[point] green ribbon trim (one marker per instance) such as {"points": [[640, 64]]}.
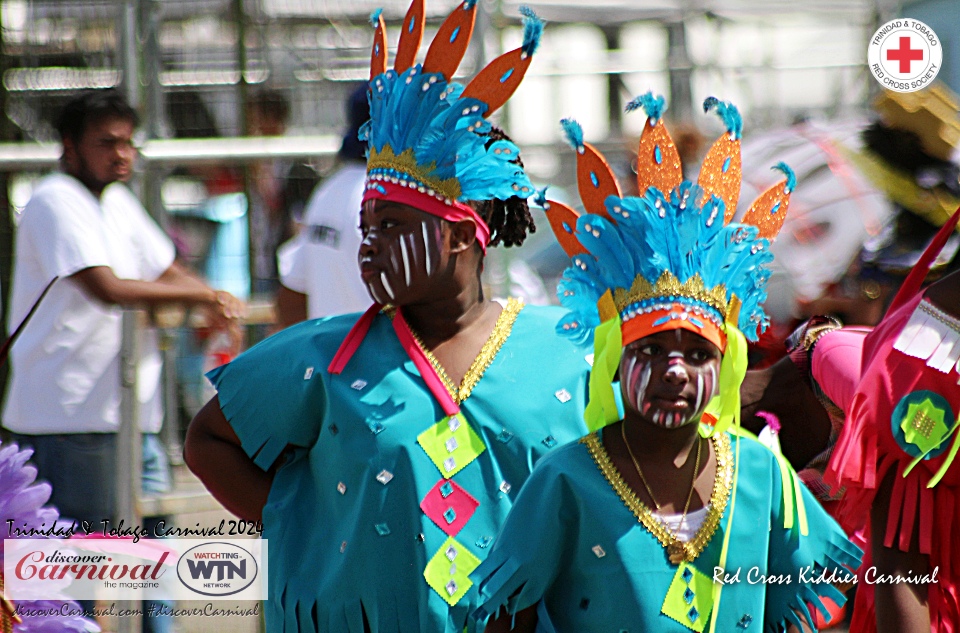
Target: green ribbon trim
{"points": [[725, 406], [602, 410]]}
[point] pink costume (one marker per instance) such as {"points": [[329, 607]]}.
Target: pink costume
{"points": [[902, 416], [836, 364]]}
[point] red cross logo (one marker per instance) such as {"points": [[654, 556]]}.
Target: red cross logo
{"points": [[905, 55]]}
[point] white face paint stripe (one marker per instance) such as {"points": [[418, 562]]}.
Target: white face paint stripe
{"points": [[628, 375], [699, 392], [412, 248], [373, 293], [644, 381], [426, 249], [420, 252], [386, 286], [405, 257], [627, 379]]}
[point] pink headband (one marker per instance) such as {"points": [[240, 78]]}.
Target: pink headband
{"points": [[436, 205]]}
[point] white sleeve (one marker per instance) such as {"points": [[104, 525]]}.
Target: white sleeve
{"points": [[292, 262], [64, 232]]}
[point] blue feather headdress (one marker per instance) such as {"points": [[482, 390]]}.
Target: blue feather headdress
{"points": [[669, 257], [428, 136]]}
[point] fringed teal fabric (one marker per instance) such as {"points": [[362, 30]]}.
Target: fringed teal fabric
{"points": [[280, 410], [572, 547], [813, 560]]}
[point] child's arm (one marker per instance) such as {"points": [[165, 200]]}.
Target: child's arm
{"points": [[213, 453]]}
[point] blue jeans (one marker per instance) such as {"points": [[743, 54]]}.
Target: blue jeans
{"points": [[81, 469]]}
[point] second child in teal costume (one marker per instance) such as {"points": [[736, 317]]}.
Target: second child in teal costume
{"points": [[665, 518], [384, 452]]}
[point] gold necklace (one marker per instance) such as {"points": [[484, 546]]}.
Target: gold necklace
{"points": [[674, 550], [722, 483]]}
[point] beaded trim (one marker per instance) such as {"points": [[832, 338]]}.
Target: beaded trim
{"points": [[403, 170], [722, 485], [712, 302], [940, 315], [501, 331]]}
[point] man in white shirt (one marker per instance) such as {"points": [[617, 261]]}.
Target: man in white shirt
{"points": [[319, 273], [64, 394]]}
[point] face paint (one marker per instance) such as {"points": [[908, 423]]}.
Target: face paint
{"points": [[634, 381], [391, 253], [426, 251], [404, 255], [669, 377]]}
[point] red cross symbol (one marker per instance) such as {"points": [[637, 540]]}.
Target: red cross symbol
{"points": [[905, 55]]}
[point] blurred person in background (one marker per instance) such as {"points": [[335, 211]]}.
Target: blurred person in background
{"points": [[85, 229], [318, 268], [271, 215]]}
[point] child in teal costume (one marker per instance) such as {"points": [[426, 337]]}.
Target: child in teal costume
{"points": [[383, 452], [666, 517]]}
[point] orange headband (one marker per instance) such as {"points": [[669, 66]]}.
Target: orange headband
{"points": [[649, 323]]}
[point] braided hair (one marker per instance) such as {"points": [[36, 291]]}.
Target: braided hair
{"points": [[509, 220]]}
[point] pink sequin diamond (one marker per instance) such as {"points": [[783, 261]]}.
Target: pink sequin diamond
{"points": [[450, 512]]}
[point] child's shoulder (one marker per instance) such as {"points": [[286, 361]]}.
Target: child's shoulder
{"points": [[567, 458], [753, 453]]}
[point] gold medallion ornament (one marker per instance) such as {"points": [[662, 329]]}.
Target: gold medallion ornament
{"points": [[677, 551]]}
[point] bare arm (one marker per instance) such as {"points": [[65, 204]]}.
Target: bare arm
{"points": [[782, 390], [175, 285], [224, 314], [213, 452], [179, 275], [291, 307], [524, 622]]}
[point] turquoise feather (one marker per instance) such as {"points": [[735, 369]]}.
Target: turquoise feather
{"points": [[532, 30], [447, 134], [603, 240], [641, 242], [573, 132], [791, 176], [728, 113], [653, 106]]}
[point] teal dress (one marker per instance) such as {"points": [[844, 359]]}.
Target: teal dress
{"points": [[573, 547], [383, 506]]}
